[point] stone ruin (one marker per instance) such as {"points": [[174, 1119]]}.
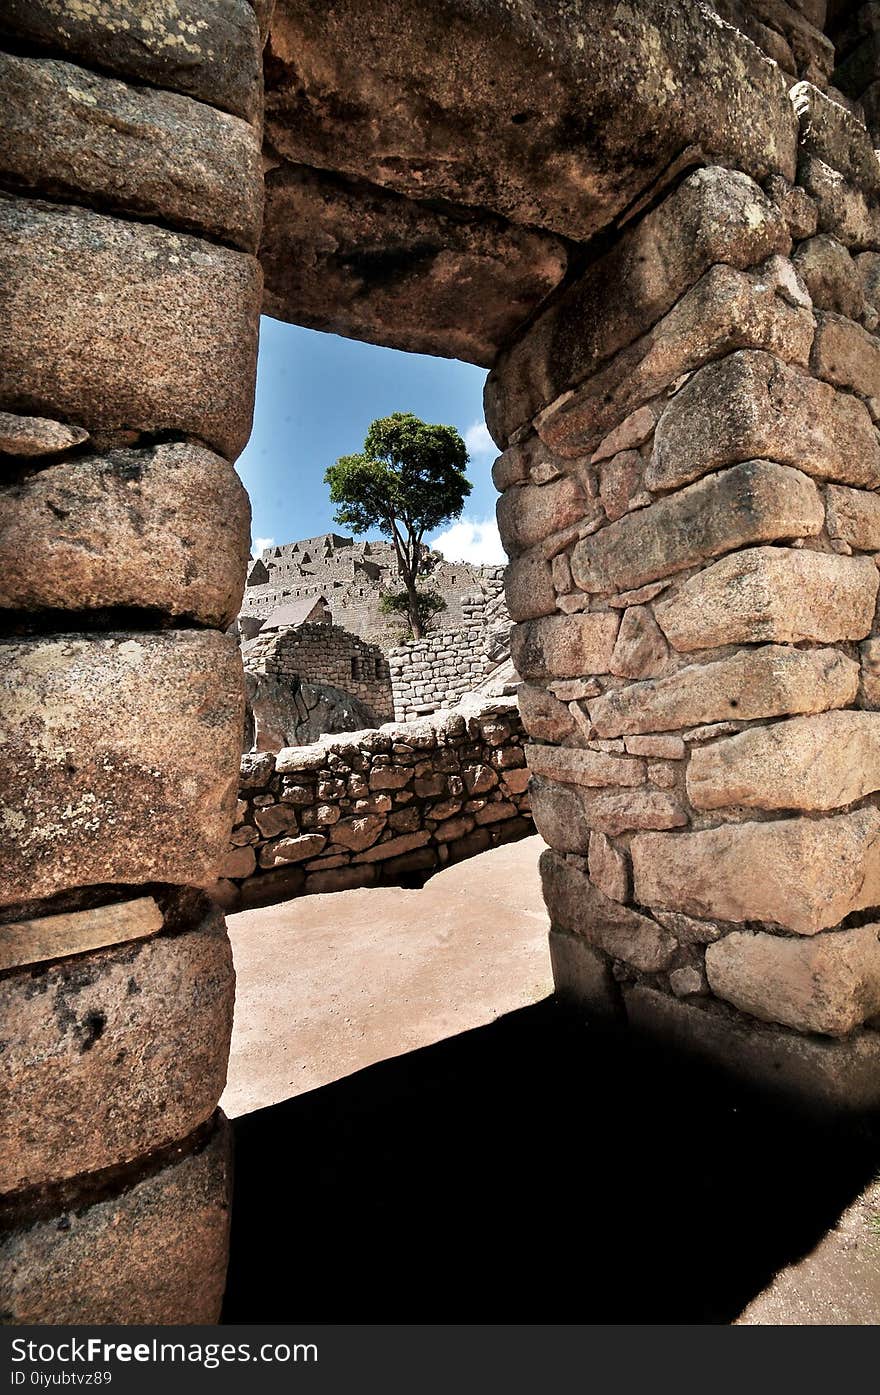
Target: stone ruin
{"points": [[352, 574], [659, 225]]}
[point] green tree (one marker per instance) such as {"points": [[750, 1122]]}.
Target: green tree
{"points": [[409, 480]]}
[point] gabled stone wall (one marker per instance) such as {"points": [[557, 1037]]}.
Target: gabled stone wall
{"points": [[318, 653], [377, 806]]}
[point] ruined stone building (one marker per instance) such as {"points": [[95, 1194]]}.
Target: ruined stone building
{"points": [[353, 574], [658, 224]]}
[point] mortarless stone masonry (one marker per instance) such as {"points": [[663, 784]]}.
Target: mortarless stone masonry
{"points": [[685, 627], [377, 806]]}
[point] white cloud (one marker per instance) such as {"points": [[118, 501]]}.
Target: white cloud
{"points": [[471, 540], [478, 440], [260, 544]]}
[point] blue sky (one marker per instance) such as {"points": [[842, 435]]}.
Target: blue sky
{"points": [[316, 397]]}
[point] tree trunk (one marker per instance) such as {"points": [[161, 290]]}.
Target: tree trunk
{"points": [[415, 620]]}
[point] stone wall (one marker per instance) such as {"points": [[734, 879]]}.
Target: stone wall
{"points": [[377, 807], [690, 502], [440, 669], [318, 653], [129, 224]]}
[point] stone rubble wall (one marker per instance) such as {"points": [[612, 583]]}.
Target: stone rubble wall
{"points": [[377, 806], [129, 221], [690, 501], [317, 653], [440, 669]]}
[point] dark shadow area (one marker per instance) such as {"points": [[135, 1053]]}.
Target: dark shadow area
{"points": [[531, 1170]]}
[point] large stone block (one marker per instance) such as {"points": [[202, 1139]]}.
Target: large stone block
{"points": [[829, 983], [543, 715], [559, 815], [547, 116], [119, 759], [120, 325], [359, 260], [578, 907], [143, 1245], [161, 529], [528, 587], [772, 593], [816, 763], [530, 513], [854, 516], [726, 310], [209, 49], [846, 355], [32, 437], [817, 1074], [714, 215], [757, 501], [772, 681], [114, 1053], [590, 768], [845, 211], [564, 646], [831, 276], [81, 136], [802, 874], [752, 405], [831, 132]]}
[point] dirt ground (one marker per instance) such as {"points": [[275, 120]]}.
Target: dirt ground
{"points": [[411, 1104], [329, 984]]}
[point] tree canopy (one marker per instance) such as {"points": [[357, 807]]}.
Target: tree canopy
{"points": [[408, 481]]}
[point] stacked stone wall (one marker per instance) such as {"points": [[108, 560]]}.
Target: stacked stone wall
{"points": [[317, 653], [129, 224], [690, 500], [377, 807]]}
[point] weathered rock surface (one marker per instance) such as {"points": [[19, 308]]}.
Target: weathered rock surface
{"points": [[528, 587], [577, 906], [831, 276], [94, 1071], [832, 133], [352, 258], [80, 136], [854, 516], [845, 211], [715, 215], [641, 650], [544, 716], [564, 646], [539, 115], [726, 310], [577, 767], [609, 869], [162, 1234], [559, 815], [133, 735], [829, 983], [757, 501], [171, 323], [615, 812], [822, 870], [823, 1075], [582, 977], [209, 49], [36, 436], [772, 681], [165, 529], [530, 513], [751, 405], [772, 593], [846, 355], [813, 763], [76, 932]]}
